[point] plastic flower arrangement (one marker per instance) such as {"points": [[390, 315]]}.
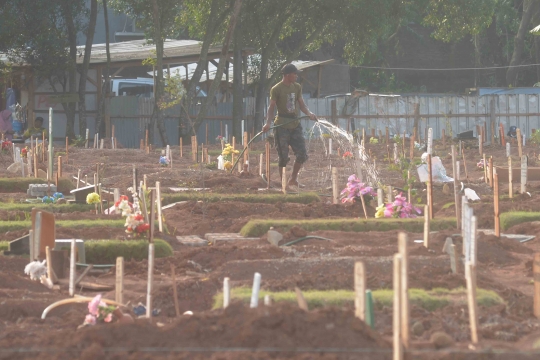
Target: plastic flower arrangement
{"points": [[6, 145], [163, 161], [480, 164], [347, 155], [400, 208], [93, 198], [373, 140], [228, 151], [98, 311], [219, 138], [132, 211], [52, 199], [228, 165], [24, 152], [355, 188]]}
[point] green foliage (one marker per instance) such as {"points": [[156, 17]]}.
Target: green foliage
{"points": [[302, 198], [61, 209], [535, 138], [509, 219], [259, 227], [428, 300], [106, 251], [4, 245], [78, 141], [6, 226]]}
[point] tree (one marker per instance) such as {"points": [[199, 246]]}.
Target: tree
{"points": [[158, 19]]}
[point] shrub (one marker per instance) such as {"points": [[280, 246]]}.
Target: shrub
{"points": [[106, 251]]}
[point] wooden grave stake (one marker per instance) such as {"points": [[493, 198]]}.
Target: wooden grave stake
{"points": [[260, 164], [43, 147], [536, 277], [72, 269], [202, 153], [496, 204], [335, 190], [465, 165], [102, 143], [158, 201], [510, 186], [485, 168], [430, 187], [473, 240], [59, 167], [254, 302], [146, 139], [267, 148], [113, 139], [359, 290], [458, 170], [523, 174], [404, 288], [508, 151], [37, 236], [396, 318], [246, 149], [302, 303], [175, 292], [36, 155], [426, 226], [226, 292], [470, 277], [501, 129], [520, 142], [363, 205], [150, 285], [152, 215], [119, 290]]}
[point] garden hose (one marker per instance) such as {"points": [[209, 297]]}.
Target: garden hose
{"points": [[305, 238], [259, 134]]}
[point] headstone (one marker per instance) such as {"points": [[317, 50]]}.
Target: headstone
{"points": [[20, 246], [48, 230], [453, 260], [15, 168], [447, 243], [40, 190], [81, 193], [41, 174], [274, 237]]}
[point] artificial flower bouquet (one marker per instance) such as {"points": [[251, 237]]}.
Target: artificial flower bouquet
{"points": [[355, 189], [399, 208], [135, 222]]}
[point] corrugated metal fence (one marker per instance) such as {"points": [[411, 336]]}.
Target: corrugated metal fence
{"points": [[453, 113]]}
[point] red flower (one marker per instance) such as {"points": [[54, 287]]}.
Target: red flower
{"points": [[142, 228], [139, 217]]}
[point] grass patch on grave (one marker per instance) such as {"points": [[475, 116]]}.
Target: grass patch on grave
{"points": [[512, 218], [259, 227], [62, 208], [26, 224], [303, 198], [106, 251], [427, 299], [4, 246], [11, 185]]}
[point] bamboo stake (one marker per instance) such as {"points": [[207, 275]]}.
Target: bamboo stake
{"points": [[36, 154], [59, 170], [284, 180], [470, 277], [302, 303], [119, 291], [520, 143], [150, 285], [396, 322], [430, 187], [404, 288], [426, 226], [485, 168], [175, 292], [152, 215], [496, 204], [510, 186], [363, 205], [360, 290], [491, 171]]}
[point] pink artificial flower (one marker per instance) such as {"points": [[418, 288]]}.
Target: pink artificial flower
{"points": [[389, 211], [93, 305], [108, 318], [90, 319]]}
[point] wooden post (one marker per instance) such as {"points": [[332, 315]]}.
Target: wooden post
{"points": [[205, 154], [359, 290], [404, 288], [146, 139], [175, 292], [267, 149], [470, 277], [520, 142], [396, 322], [523, 174], [119, 291], [72, 270], [226, 292], [335, 190], [36, 154], [284, 180], [536, 278], [59, 170], [485, 168], [158, 201], [430, 141], [456, 193], [510, 186], [430, 187], [426, 226], [113, 139], [465, 165], [496, 204], [233, 144], [503, 140], [302, 303], [150, 285]]}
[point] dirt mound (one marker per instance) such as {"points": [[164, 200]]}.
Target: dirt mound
{"points": [[282, 326], [497, 251]]}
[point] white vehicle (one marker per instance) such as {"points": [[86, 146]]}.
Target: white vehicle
{"points": [[142, 87]]}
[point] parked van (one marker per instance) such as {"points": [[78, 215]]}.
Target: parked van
{"points": [[141, 87]]}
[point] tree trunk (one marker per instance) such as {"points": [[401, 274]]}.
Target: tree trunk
{"points": [[158, 114], [84, 67], [103, 107], [219, 72], [238, 95], [70, 108], [529, 9]]}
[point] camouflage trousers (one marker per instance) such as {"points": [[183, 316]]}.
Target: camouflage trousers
{"points": [[293, 138]]}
